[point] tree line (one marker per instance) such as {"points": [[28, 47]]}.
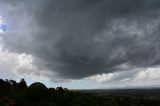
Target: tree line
{"points": [[14, 93]]}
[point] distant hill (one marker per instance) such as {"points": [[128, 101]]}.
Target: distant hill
{"points": [[136, 91]]}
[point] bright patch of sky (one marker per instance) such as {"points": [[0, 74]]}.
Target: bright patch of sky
{"points": [[3, 25]]}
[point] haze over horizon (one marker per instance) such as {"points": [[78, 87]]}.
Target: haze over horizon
{"points": [[81, 44]]}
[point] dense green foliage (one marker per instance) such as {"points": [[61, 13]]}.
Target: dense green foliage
{"points": [[13, 93]]}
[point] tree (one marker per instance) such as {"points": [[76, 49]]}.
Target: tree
{"points": [[37, 91], [22, 84], [37, 85], [13, 83], [4, 88], [60, 89]]}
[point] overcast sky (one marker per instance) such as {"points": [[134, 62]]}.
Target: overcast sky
{"points": [[81, 43]]}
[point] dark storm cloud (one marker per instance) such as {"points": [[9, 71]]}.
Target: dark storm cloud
{"points": [[80, 38]]}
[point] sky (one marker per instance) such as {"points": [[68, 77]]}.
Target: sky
{"points": [[81, 44]]}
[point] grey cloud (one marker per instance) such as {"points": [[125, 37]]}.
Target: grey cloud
{"points": [[80, 38]]}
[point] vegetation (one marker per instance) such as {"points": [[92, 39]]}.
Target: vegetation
{"points": [[14, 93]]}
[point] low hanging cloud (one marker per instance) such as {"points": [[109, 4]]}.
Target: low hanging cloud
{"points": [[75, 39], [136, 78], [15, 65]]}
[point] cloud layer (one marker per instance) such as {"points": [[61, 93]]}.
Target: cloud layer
{"points": [[79, 38]]}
